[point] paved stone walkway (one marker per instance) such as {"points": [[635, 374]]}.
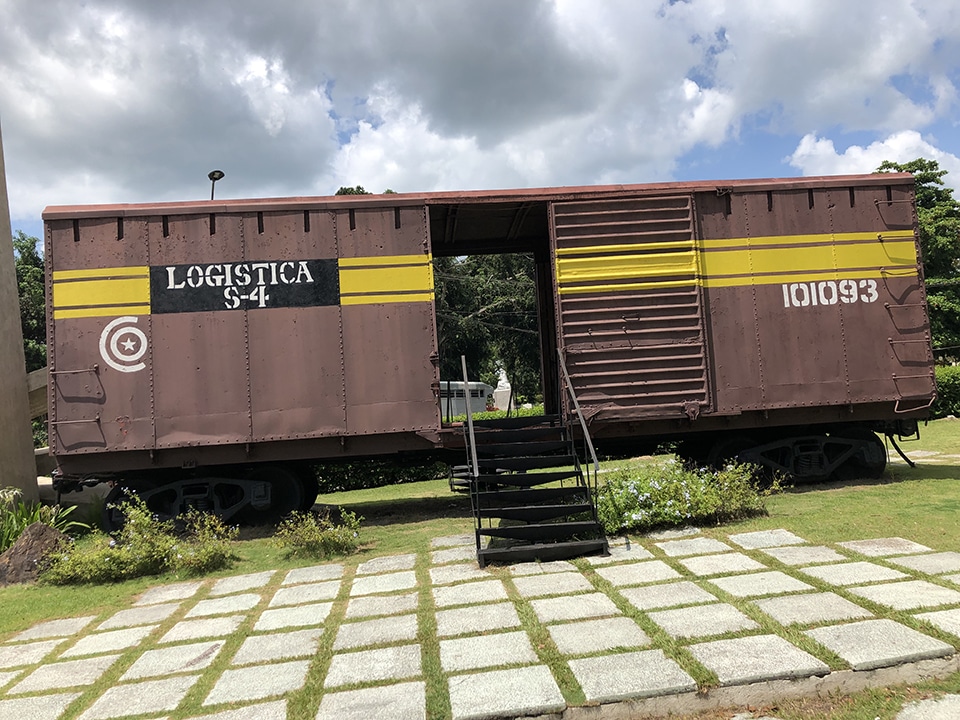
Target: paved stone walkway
{"points": [[375, 640]]}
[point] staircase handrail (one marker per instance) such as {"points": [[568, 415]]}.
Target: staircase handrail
{"points": [[472, 439], [583, 422]]}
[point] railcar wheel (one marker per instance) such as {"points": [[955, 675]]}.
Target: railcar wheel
{"points": [[286, 492], [728, 449], [869, 461], [161, 501]]}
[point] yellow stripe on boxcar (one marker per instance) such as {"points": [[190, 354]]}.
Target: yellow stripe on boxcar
{"points": [[101, 292], [386, 279]]}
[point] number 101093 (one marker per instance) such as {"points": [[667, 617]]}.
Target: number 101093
{"points": [[829, 292]]}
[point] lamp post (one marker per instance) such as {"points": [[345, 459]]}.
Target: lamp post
{"points": [[214, 175]]}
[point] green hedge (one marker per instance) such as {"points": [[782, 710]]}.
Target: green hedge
{"points": [[948, 392]]}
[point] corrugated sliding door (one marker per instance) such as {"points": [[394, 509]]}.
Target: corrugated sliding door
{"points": [[630, 309]]}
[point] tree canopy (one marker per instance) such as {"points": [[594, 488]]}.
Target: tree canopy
{"points": [[30, 285], [938, 217]]}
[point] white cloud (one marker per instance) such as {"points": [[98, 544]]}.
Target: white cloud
{"points": [[818, 156]]}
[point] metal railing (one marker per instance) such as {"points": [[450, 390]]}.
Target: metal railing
{"points": [[588, 442]]}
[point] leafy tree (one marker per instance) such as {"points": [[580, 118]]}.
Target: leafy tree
{"points": [[938, 217], [358, 190], [487, 311], [30, 285]]}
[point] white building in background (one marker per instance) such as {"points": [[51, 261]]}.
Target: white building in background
{"points": [[453, 400]]}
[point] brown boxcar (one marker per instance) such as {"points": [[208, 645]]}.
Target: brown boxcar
{"points": [[204, 347]]}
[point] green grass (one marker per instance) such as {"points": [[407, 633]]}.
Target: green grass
{"points": [[920, 504]]}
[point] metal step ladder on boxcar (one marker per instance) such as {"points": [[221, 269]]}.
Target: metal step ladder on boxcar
{"points": [[530, 495]]}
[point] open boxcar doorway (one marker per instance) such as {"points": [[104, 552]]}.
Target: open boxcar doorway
{"points": [[494, 296]]}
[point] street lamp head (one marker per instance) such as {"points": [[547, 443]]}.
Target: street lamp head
{"points": [[215, 175]]}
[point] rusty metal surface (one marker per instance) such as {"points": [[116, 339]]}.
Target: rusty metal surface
{"points": [[630, 315], [227, 330]]}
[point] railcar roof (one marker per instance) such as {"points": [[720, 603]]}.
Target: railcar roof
{"points": [[462, 197]]}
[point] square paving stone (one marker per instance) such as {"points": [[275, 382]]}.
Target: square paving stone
{"points": [[274, 710], [153, 696], [908, 595], [390, 563], [621, 553], [573, 607], [505, 693], [483, 651], [453, 540], [313, 574], [278, 646], [704, 565], [537, 568], [692, 546], [239, 583], [932, 564], [630, 675], [203, 628], [26, 654], [638, 573], [454, 554], [402, 701], [811, 609], [702, 620], [552, 584], [379, 631], [54, 629], [952, 578], [7, 677], [667, 595], [169, 593], [766, 539], [852, 573], [376, 605], [946, 620], [109, 641], [755, 659], [882, 547], [478, 618], [392, 663], [581, 638], [873, 644], [57, 676], [224, 605], [45, 707], [469, 593], [804, 554], [148, 615], [299, 616], [765, 583], [258, 682], [449, 574], [946, 707], [387, 583], [302, 594], [174, 659]]}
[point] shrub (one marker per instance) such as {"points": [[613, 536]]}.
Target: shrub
{"points": [[362, 474], [667, 494], [16, 515], [313, 535], [948, 392], [144, 545]]}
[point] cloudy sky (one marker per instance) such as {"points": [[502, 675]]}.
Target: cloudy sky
{"points": [[137, 100]]}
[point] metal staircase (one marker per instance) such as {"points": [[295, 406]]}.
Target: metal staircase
{"points": [[531, 497]]}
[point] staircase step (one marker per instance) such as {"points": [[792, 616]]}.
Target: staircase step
{"points": [[527, 463], [533, 513], [542, 551], [528, 496], [526, 479], [520, 434], [518, 422], [519, 449], [543, 531]]}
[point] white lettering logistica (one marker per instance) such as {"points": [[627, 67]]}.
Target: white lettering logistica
{"points": [[238, 274]]}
